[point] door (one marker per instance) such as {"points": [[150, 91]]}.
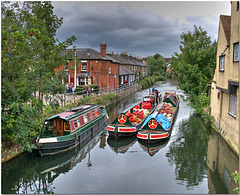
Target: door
{"points": [[58, 127]]}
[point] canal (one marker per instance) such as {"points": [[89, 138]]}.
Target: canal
{"points": [[193, 160]]}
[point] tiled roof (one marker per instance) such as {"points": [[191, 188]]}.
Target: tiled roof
{"points": [[118, 59], [125, 71], [226, 23], [84, 54]]}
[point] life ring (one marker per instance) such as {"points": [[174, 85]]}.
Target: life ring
{"points": [[152, 124], [122, 118]]}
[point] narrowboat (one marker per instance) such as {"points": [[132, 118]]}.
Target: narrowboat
{"points": [[65, 130], [122, 145], [158, 125], [130, 120]]}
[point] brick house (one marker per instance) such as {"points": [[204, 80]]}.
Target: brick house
{"points": [[92, 67], [225, 84]]}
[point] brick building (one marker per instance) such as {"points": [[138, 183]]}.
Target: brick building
{"points": [[101, 68]]}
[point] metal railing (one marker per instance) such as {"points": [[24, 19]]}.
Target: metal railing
{"points": [[63, 99]]}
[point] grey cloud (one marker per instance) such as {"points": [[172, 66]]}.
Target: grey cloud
{"points": [[123, 28]]}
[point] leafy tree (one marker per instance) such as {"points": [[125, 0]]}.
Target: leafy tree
{"points": [[29, 54], [194, 66], [156, 65]]}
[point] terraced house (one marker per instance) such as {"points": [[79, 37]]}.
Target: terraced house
{"points": [[88, 66], [225, 84]]}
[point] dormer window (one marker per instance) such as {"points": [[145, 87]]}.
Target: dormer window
{"points": [[221, 63]]}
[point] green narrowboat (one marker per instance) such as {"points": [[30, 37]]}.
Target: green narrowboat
{"points": [[65, 130], [158, 125]]}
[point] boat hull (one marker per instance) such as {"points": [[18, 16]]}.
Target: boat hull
{"points": [[50, 146], [118, 132]]}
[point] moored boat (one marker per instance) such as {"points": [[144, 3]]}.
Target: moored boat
{"points": [[130, 120], [67, 129], [158, 125]]}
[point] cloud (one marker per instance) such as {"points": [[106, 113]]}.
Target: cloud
{"points": [[127, 26]]}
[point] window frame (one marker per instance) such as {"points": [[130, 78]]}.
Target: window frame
{"points": [[234, 49], [223, 66], [83, 70], [232, 109]]}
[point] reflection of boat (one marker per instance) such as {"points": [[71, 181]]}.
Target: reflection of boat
{"points": [[129, 121], [121, 146], [152, 149], [35, 175], [72, 157], [65, 130], [159, 124]]}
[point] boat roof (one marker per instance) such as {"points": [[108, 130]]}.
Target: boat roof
{"points": [[73, 112]]}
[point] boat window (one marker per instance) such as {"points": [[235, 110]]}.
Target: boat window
{"points": [[66, 126], [96, 111], [50, 126], [89, 116], [93, 114], [76, 123], [54, 123], [85, 118]]}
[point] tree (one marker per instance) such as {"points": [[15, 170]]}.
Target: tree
{"points": [[194, 66], [156, 64], [30, 53]]}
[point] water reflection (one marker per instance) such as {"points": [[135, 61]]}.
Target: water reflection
{"points": [[41, 172], [188, 152], [221, 161], [122, 145], [152, 149]]}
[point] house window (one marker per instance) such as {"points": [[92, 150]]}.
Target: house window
{"points": [[236, 52], [84, 66], [221, 63], [233, 105], [109, 70]]}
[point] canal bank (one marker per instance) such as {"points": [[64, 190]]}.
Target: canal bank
{"points": [[9, 153]]}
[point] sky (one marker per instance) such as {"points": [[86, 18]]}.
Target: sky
{"points": [[140, 28]]}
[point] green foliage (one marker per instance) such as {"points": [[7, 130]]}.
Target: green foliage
{"points": [[236, 180], [194, 67], [156, 65], [29, 55]]}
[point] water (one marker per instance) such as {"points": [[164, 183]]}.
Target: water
{"points": [[193, 160]]}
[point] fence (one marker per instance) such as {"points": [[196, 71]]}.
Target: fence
{"points": [[63, 99]]}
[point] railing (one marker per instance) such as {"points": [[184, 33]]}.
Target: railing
{"points": [[63, 99]]}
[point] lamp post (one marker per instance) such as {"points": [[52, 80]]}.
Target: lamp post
{"points": [[88, 53], [75, 71]]}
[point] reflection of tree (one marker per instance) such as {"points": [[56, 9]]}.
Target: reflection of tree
{"points": [[189, 152]]}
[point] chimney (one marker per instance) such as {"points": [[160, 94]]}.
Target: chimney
{"points": [[103, 49], [124, 55], [130, 57]]}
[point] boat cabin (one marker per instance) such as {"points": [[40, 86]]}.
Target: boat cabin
{"points": [[70, 120]]}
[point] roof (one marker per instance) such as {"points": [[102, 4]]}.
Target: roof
{"points": [[125, 71], [226, 23], [84, 54]]}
